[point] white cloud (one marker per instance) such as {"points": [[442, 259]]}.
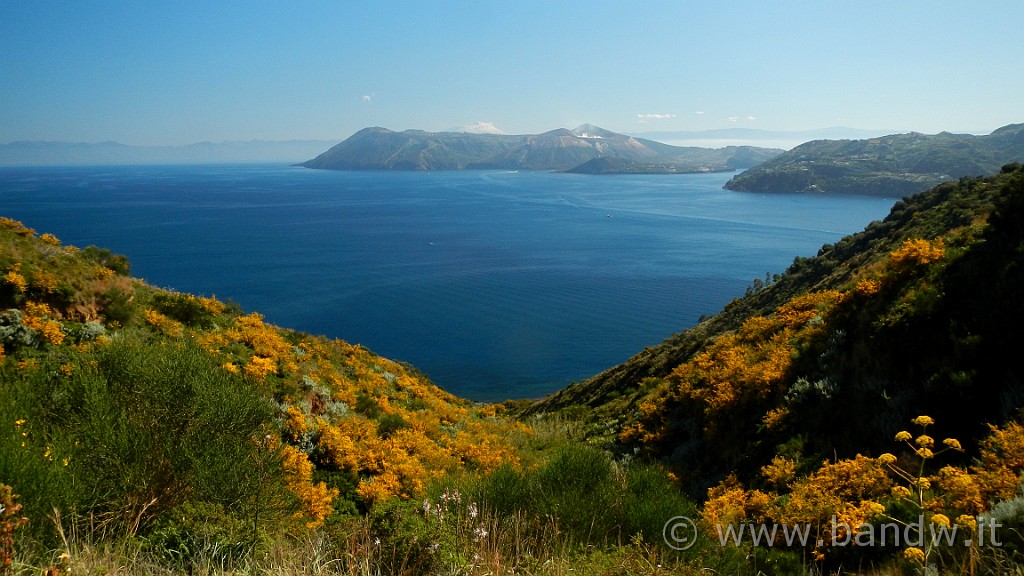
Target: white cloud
{"points": [[751, 118], [699, 113], [643, 117], [478, 128], [368, 97]]}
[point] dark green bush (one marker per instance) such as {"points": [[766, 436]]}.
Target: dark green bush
{"points": [[104, 257], [118, 306], [184, 308], [403, 539], [202, 535], [594, 500], [389, 424], [144, 428]]}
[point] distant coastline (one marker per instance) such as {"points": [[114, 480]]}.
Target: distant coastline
{"points": [[47, 153]]}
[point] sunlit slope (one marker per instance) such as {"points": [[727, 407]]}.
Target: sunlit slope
{"points": [[122, 401], [892, 165]]}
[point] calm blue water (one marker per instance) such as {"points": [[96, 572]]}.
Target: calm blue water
{"points": [[496, 284]]}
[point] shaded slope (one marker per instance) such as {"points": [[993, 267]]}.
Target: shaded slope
{"points": [[919, 313]]}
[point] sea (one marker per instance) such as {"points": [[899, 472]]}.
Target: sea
{"points": [[496, 284]]}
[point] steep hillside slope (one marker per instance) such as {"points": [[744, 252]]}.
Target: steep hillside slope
{"points": [[894, 165], [129, 405], [919, 313]]}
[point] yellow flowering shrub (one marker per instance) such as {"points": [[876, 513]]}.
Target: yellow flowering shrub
{"points": [[38, 317], [165, 325], [14, 277], [211, 305], [314, 498], [729, 503], [295, 424], [849, 489], [264, 340], [1001, 462], [338, 448], [19, 228], [259, 367], [780, 472], [45, 282], [867, 287], [916, 252], [738, 373]]}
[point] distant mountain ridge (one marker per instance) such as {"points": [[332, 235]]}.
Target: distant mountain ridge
{"points": [[894, 165], [562, 149], [37, 153]]}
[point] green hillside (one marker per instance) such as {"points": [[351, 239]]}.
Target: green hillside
{"points": [[894, 165], [875, 384], [919, 314]]}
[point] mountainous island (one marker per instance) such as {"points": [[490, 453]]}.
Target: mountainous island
{"points": [[894, 165], [875, 383], [587, 149]]}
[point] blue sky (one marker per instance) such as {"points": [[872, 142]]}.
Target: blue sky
{"points": [[148, 73]]}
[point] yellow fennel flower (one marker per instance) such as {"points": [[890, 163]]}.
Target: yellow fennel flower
{"points": [[887, 459], [967, 521], [903, 436], [914, 555], [953, 443], [901, 491], [923, 421], [940, 520]]}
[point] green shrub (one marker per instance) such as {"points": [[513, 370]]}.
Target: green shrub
{"points": [[505, 492], [594, 500], [580, 488], [404, 541], [139, 429], [184, 308], [202, 535], [389, 424], [104, 257], [118, 306]]}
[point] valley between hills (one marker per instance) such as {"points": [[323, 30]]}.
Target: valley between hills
{"points": [[876, 382]]}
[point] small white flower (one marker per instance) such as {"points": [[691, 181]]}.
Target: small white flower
{"points": [[472, 510], [376, 541]]}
